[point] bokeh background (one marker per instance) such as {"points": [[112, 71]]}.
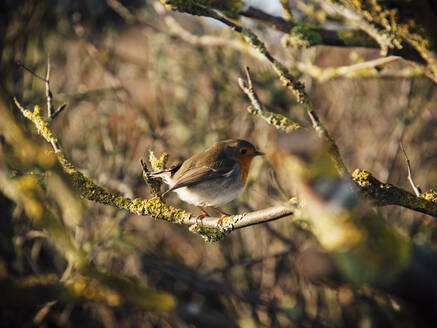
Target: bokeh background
{"points": [[138, 78]]}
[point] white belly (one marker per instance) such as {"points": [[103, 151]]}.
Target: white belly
{"points": [[213, 192]]}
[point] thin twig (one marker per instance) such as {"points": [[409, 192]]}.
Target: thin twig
{"points": [[49, 95], [31, 72], [415, 187], [58, 111]]}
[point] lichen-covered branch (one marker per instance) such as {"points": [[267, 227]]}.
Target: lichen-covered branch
{"points": [[387, 194], [155, 206]]}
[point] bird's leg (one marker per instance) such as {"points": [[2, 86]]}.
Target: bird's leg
{"points": [[223, 214], [201, 216]]}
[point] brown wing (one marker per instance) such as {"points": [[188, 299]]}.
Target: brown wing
{"points": [[193, 175]]}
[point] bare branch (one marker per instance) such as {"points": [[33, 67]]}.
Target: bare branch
{"points": [[49, 95], [31, 72], [58, 111], [416, 188]]}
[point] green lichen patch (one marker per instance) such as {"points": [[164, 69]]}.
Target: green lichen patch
{"points": [[204, 7], [209, 234], [388, 194], [355, 38], [158, 163], [302, 36], [361, 177], [156, 208], [279, 121], [41, 125]]}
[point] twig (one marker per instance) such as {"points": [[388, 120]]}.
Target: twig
{"points": [[51, 112], [49, 95], [31, 72], [367, 64], [120, 9], [58, 111], [416, 188]]}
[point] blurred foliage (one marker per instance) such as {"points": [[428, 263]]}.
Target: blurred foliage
{"points": [[132, 86]]}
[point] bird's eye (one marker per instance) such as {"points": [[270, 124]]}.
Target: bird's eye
{"points": [[243, 151]]}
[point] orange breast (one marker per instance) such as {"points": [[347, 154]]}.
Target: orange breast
{"points": [[244, 166]]}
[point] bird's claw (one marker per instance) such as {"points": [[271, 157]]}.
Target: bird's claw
{"points": [[200, 218]]}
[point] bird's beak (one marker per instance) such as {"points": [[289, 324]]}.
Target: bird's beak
{"points": [[258, 153]]}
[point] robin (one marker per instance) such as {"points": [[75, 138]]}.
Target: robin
{"points": [[213, 177]]}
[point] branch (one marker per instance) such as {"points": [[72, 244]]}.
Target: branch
{"points": [[387, 194], [338, 38]]}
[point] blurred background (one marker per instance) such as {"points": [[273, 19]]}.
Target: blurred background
{"points": [[136, 78]]}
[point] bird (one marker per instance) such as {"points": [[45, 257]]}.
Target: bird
{"points": [[212, 177]]}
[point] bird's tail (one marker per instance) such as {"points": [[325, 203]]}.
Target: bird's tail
{"points": [[170, 170]]}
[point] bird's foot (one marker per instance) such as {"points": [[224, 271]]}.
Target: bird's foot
{"points": [[199, 219], [219, 222], [223, 214], [201, 216]]}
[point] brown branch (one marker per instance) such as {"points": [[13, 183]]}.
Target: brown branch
{"points": [[356, 38]]}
